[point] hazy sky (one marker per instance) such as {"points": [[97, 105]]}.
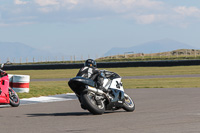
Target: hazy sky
{"points": [[92, 27]]}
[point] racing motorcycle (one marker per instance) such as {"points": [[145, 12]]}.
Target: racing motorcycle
{"points": [[97, 101], [7, 94]]}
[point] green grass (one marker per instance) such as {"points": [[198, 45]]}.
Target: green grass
{"points": [[162, 83], [59, 87], [147, 71], [47, 74], [128, 71], [46, 88]]}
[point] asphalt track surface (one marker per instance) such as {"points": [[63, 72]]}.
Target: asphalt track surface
{"points": [[158, 110]]}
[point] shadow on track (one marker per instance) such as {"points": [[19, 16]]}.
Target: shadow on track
{"points": [[69, 114], [60, 114]]}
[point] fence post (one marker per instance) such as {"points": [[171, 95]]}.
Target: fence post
{"points": [[195, 54], [33, 60], [74, 58], [81, 57], [71, 59], [186, 53], [26, 60], [7, 59], [63, 58], [177, 54]]}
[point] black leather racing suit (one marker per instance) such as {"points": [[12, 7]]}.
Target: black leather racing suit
{"points": [[92, 73]]}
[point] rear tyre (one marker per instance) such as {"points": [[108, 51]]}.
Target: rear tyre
{"points": [[14, 99], [129, 104], [95, 107]]}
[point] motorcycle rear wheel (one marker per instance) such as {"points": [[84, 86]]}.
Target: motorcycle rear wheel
{"points": [[14, 99], [89, 101], [129, 104]]}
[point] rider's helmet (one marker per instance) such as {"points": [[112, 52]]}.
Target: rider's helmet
{"points": [[90, 63]]}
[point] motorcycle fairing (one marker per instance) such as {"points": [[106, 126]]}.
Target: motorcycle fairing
{"points": [[111, 75], [117, 99], [117, 92], [77, 84], [4, 97], [116, 83]]}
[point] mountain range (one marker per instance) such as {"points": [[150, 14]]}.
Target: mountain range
{"points": [[14, 51], [163, 45], [19, 52]]}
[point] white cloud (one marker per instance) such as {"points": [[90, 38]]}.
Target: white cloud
{"points": [[117, 6], [45, 9], [70, 4], [188, 11], [20, 2], [139, 11], [127, 5], [56, 2], [75, 2], [46, 2], [146, 19], [47, 6]]}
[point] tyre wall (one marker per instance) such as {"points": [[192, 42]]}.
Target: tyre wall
{"points": [[19, 83], [106, 65]]}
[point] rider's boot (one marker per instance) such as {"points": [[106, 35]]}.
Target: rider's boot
{"points": [[0, 91]]}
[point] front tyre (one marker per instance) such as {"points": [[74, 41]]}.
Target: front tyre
{"points": [[129, 104], [14, 99], [89, 100]]}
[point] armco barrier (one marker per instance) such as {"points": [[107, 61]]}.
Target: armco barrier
{"points": [[106, 65], [19, 83]]}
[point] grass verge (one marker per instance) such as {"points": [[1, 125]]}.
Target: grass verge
{"points": [[162, 83], [127, 71], [46, 88]]}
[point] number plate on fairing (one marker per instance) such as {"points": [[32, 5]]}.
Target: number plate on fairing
{"points": [[117, 84]]}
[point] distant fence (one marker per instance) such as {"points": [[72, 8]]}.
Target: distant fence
{"points": [[105, 65], [129, 55]]}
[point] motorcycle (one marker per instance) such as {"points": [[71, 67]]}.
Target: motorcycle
{"points": [[97, 101], [7, 94]]}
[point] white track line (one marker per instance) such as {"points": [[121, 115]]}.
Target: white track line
{"points": [[46, 99]]}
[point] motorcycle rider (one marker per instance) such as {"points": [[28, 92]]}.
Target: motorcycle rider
{"points": [[90, 71], [2, 73]]}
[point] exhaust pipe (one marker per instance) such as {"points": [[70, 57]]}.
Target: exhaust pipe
{"points": [[100, 92], [95, 90]]}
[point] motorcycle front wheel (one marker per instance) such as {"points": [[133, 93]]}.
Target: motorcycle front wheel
{"points": [[14, 99], [95, 107], [129, 104]]}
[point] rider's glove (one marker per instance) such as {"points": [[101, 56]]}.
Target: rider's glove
{"points": [[102, 74]]}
